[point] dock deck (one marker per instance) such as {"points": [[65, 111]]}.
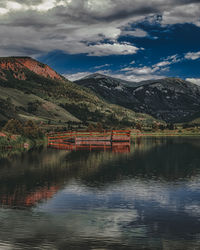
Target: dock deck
{"points": [[92, 140]]}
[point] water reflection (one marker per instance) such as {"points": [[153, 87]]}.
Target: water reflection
{"points": [[116, 147], [148, 198]]}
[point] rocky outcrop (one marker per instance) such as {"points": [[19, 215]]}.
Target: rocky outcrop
{"points": [[16, 67]]}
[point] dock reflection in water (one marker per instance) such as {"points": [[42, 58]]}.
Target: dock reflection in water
{"points": [[148, 198], [117, 147], [116, 140]]}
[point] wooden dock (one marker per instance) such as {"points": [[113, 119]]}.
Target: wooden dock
{"points": [[117, 140]]}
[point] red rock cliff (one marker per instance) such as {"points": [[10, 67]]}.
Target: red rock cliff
{"points": [[17, 65]]}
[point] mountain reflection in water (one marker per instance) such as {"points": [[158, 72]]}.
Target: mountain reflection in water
{"points": [[148, 198]]}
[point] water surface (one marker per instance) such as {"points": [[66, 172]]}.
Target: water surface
{"points": [[148, 198]]}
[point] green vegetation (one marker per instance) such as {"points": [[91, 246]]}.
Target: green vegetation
{"points": [[58, 102], [31, 105], [158, 129], [16, 134], [28, 129], [62, 105]]}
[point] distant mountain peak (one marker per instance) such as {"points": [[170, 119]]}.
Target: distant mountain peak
{"points": [[95, 76], [106, 78], [168, 99], [16, 67]]}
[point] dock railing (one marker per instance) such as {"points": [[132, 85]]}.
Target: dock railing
{"points": [[88, 137]]}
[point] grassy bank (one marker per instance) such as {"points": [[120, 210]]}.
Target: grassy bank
{"points": [[23, 142], [17, 134], [19, 141], [184, 132]]}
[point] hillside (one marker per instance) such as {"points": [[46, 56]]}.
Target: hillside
{"points": [[170, 99], [17, 67], [32, 90], [17, 104]]}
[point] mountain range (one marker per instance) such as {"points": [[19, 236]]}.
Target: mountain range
{"points": [[171, 99], [32, 90]]}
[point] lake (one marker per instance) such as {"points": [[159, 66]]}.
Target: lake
{"points": [[147, 197]]}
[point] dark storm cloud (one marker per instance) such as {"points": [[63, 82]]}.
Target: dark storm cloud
{"points": [[45, 25], [30, 19]]}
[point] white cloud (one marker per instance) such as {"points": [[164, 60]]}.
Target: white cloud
{"points": [[185, 13], [160, 66], [139, 71], [166, 62], [3, 11], [76, 76], [102, 66], [95, 32], [137, 74], [136, 33], [106, 49], [13, 6], [149, 72], [194, 80], [80, 75], [128, 77], [46, 5], [137, 78], [163, 63], [104, 72], [43, 5], [192, 55]]}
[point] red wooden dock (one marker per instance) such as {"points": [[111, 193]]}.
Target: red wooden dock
{"points": [[118, 140]]}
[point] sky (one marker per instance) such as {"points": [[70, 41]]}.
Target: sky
{"points": [[130, 39]]}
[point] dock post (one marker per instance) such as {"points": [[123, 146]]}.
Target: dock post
{"points": [[111, 139]]}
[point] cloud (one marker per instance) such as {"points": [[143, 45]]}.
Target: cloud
{"points": [[137, 74], [147, 72], [102, 66], [76, 76], [192, 55], [34, 27], [39, 5], [135, 33], [194, 80], [144, 73], [137, 78], [167, 62], [106, 49], [3, 11], [139, 71], [162, 64], [80, 75], [128, 77], [185, 13]]}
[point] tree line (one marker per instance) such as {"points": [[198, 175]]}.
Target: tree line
{"points": [[28, 128]]}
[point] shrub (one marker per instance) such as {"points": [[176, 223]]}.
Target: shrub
{"points": [[28, 129], [99, 127], [31, 130], [138, 126], [33, 106], [13, 126], [170, 126], [91, 127]]}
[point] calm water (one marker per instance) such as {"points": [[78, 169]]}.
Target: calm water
{"points": [[148, 198]]}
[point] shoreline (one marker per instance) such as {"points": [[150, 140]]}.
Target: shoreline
{"points": [[26, 144], [164, 135], [23, 143]]}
